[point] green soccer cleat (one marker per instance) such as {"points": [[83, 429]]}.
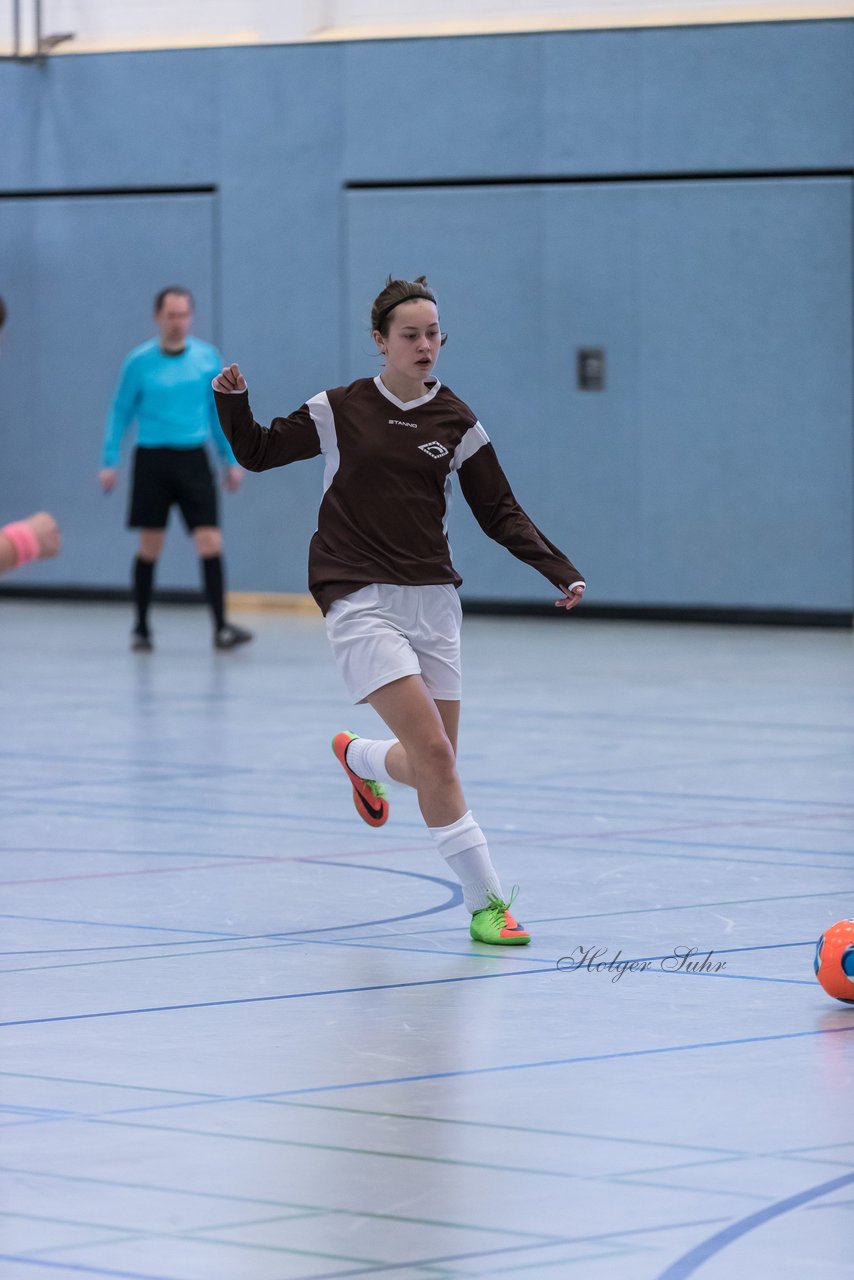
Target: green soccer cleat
{"points": [[495, 925]]}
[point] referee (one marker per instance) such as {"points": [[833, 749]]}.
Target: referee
{"points": [[165, 386]]}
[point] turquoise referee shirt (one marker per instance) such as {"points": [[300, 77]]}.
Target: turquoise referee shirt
{"points": [[170, 398]]}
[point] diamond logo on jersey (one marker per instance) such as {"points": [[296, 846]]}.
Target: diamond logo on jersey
{"points": [[433, 449]]}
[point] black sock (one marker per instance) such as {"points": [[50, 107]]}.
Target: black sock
{"points": [[143, 582], [214, 580]]}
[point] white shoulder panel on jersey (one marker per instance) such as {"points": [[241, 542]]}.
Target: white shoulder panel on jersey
{"points": [[475, 438], [324, 420]]}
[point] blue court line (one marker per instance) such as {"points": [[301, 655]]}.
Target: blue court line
{"points": [[273, 821], [279, 944], [15, 1109], [680, 797], [645, 718], [598, 842], [556, 1062], [244, 819], [252, 937], [293, 995], [716, 1153], [122, 775], [389, 986], [480, 1071], [689, 1262], [606, 849], [379, 945], [753, 848], [642, 911], [52, 851], [313, 1210], [82, 1268], [456, 897], [605, 1237]]}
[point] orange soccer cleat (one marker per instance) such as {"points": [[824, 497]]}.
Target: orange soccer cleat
{"points": [[368, 796]]}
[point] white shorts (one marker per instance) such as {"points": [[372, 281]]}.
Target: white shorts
{"points": [[383, 632]]}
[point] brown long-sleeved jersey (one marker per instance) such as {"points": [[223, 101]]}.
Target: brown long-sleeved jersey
{"points": [[387, 485]]}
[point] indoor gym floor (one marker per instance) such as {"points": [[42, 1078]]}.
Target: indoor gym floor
{"points": [[246, 1037]]}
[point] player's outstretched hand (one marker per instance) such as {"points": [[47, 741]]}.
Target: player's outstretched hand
{"points": [[570, 598], [232, 479], [108, 477], [46, 530], [231, 379], [35, 538]]}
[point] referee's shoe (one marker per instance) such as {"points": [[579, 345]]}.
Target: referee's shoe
{"points": [[230, 636]]}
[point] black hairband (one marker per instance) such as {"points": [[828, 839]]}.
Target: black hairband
{"points": [[415, 297]]}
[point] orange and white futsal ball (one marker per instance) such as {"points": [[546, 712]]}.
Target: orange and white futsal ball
{"points": [[834, 960]]}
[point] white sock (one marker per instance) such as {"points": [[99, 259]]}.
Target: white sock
{"points": [[463, 846], [366, 757]]}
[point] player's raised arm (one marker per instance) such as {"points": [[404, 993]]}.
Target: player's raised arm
{"points": [[256, 447]]}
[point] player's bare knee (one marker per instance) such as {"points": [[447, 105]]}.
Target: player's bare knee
{"points": [[208, 541], [150, 544], [435, 762]]}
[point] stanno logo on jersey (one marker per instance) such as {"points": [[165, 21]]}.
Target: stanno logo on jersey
{"points": [[434, 450], [396, 422]]}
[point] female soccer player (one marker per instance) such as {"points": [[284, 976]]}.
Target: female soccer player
{"points": [[381, 572]]}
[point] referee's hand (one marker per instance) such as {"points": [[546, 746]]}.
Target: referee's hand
{"points": [[231, 379]]}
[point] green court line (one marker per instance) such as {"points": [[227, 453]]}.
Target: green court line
{"points": [[66, 1222], [189, 1234], [690, 1164], [341, 1150], [615, 1251], [107, 1084], [822, 1146], [127, 1237], [397, 1115], [194, 1239], [628, 1180], [494, 1124], [197, 1237], [368, 1214], [258, 1222], [610, 1238], [837, 1164], [174, 955]]}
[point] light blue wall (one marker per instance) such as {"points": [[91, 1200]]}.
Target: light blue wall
{"points": [[717, 466]]}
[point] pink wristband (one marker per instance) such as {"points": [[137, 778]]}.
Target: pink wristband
{"points": [[24, 541]]}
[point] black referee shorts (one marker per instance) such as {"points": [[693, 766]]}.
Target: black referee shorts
{"points": [[162, 477]]}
